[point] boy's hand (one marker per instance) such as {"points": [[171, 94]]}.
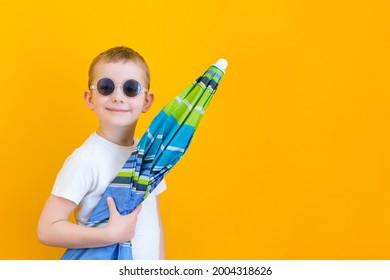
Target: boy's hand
{"points": [[121, 228]]}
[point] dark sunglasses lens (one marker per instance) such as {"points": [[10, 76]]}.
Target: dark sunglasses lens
{"points": [[105, 86], [131, 88]]}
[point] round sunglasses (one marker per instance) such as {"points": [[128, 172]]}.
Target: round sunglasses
{"points": [[106, 86]]}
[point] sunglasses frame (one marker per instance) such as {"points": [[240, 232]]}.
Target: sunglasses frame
{"points": [[141, 88]]}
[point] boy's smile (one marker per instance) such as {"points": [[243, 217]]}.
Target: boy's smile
{"points": [[117, 110]]}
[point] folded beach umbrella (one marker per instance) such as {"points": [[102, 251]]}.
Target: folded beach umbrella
{"points": [[159, 149]]}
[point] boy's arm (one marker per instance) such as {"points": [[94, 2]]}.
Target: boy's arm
{"points": [[55, 229], [162, 240]]}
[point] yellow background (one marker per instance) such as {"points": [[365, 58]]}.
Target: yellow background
{"points": [[291, 160]]}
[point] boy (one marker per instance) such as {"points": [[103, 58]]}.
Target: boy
{"points": [[118, 93]]}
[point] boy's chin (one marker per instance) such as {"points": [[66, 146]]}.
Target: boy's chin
{"points": [[123, 125]]}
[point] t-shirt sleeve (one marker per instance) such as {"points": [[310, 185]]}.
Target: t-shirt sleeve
{"points": [[162, 186], [75, 178]]}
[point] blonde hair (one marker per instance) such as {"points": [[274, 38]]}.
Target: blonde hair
{"points": [[118, 54]]}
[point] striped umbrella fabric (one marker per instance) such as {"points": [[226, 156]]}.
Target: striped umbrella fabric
{"points": [[159, 149]]}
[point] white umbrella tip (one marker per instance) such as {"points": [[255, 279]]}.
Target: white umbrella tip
{"points": [[221, 64]]}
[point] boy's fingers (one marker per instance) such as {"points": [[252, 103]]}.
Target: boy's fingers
{"points": [[111, 205], [113, 210]]}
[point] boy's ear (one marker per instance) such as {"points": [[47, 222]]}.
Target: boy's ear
{"points": [[149, 99], [88, 99]]}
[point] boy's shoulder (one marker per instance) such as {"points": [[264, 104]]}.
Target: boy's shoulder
{"points": [[85, 148], [83, 153], [96, 149], [98, 154]]}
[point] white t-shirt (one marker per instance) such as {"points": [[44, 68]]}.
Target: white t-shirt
{"points": [[86, 174]]}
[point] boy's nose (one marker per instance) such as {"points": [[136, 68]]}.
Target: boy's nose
{"points": [[118, 95]]}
